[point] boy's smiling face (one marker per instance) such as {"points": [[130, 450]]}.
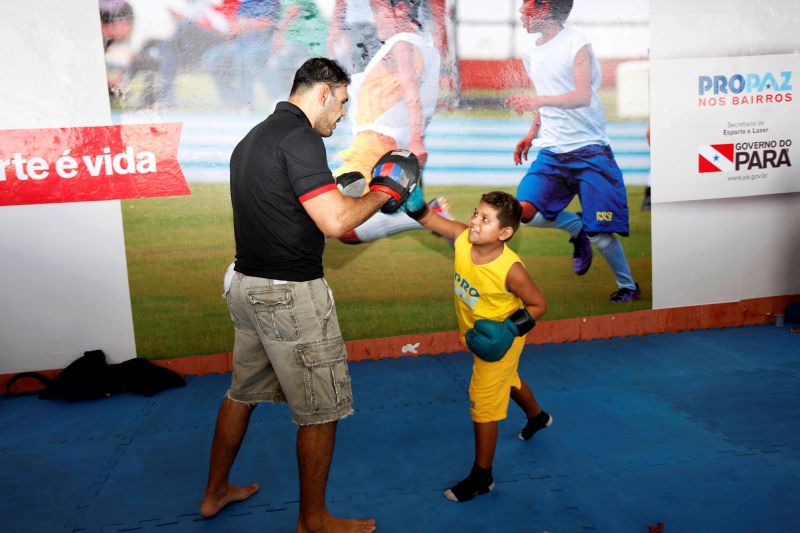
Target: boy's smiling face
{"points": [[484, 226], [532, 13]]}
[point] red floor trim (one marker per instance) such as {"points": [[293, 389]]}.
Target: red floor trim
{"points": [[733, 314]]}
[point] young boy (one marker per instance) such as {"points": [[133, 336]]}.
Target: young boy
{"points": [[574, 156], [497, 303]]}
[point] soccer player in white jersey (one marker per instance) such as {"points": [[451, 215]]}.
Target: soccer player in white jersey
{"points": [[573, 152]]}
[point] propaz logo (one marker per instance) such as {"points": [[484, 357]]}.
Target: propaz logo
{"points": [[745, 83], [719, 90]]}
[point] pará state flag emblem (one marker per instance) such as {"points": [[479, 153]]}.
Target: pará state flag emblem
{"points": [[715, 158]]}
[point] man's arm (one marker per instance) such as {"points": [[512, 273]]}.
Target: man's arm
{"points": [[336, 214], [402, 55], [519, 282]]}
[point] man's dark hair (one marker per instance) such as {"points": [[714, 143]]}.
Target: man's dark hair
{"points": [[559, 9], [509, 212], [318, 70]]}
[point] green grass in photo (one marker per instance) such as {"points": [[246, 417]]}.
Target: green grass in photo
{"points": [[178, 249]]}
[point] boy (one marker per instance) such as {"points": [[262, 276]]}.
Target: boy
{"points": [[574, 155], [497, 303]]}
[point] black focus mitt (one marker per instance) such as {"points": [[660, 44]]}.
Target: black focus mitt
{"points": [[396, 173], [352, 184]]}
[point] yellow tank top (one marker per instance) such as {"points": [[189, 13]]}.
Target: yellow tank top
{"points": [[480, 290]]}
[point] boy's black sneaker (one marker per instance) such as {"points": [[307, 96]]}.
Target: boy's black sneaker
{"points": [[540, 421], [478, 482]]}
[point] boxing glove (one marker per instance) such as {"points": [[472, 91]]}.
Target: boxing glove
{"points": [[415, 205], [491, 339]]}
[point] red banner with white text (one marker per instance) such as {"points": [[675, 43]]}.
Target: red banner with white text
{"points": [[58, 165]]}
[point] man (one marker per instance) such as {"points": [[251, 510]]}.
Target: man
{"points": [[393, 101], [288, 346]]}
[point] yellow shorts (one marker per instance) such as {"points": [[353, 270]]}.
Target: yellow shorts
{"points": [[490, 386], [365, 151]]}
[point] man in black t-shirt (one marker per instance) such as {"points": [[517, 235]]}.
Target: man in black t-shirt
{"points": [[288, 346]]}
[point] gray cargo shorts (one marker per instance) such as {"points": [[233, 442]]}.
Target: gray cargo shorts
{"points": [[288, 348]]}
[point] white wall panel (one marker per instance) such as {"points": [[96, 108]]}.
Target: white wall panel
{"points": [[63, 276], [727, 249]]}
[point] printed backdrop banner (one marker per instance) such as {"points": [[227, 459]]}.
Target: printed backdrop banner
{"points": [[738, 117], [57, 165]]}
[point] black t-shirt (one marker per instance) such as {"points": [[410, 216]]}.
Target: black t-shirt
{"points": [[278, 165]]}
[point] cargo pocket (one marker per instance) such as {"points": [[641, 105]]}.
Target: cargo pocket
{"points": [[326, 378], [274, 313]]}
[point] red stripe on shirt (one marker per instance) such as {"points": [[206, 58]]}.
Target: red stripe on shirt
{"points": [[316, 192]]}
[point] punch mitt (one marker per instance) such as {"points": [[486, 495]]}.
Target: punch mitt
{"points": [[352, 184], [397, 174]]}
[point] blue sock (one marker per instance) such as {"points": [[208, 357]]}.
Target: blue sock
{"points": [[566, 220], [611, 249]]}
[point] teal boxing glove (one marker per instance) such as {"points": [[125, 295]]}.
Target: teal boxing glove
{"points": [[490, 339], [415, 205]]}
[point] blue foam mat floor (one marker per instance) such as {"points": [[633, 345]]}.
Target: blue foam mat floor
{"points": [[699, 431]]}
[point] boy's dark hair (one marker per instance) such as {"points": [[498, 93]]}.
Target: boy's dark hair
{"points": [[509, 212], [559, 9], [318, 70]]}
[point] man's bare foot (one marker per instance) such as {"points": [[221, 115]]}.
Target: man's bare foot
{"points": [[213, 503], [331, 524]]}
